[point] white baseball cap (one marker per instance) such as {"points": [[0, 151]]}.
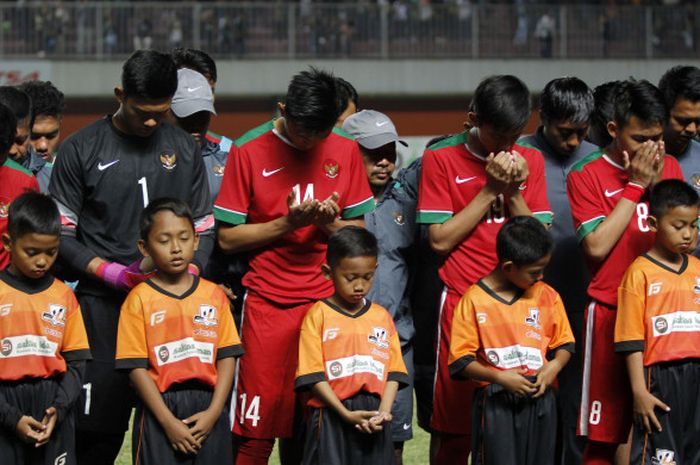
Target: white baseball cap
{"points": [[371, 129]]}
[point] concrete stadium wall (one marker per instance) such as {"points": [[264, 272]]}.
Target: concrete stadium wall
{"points": [[423, 97], [371, 77]]}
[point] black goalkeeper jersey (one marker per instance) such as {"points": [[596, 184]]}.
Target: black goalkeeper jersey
{"points": [[104, 178]]}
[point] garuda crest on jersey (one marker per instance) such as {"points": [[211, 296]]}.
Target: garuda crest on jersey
{"points": [[168, 160], [331, 168]]}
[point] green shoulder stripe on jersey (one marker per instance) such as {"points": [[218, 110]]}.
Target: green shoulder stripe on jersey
{"points": [[586, 160], [457, 139], [255, 133], [342, 133], [16, 166], [588, 227], [522, 143], [357, 210], [544, 217], [428, 217], [211, 135], [229, 216]]}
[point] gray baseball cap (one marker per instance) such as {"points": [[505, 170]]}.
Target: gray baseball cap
{"points": [[371, 129], [193, 94]]}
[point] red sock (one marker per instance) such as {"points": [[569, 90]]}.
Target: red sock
{"points": [[454, 449], [599, 453], [253, 451]]}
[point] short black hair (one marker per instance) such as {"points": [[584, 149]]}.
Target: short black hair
{"points": [[46, 99], [350, 242], [348, 93], [503, 102], [149, 74], [603, 112], [523, 240], [197, 60], [313, 101], [437, 139], [178, 207], [566, 99], [671, 193], [18, 101], [33, 213], [8, 129], [641, 99], [680, 82]]}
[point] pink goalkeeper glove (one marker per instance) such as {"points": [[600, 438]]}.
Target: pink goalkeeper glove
{"points": [[122, 277]]}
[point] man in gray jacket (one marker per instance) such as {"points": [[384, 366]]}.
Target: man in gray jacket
{"points": [[393, 222]]}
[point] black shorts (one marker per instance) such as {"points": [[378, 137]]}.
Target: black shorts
{"points": [[512, 430], [675, 384], [106, 399], [33, 398], [332, 441], [150, 445]]}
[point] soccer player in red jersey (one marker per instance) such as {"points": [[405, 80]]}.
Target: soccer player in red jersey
{"points": [[470, 184], [288, 184], [14, 179], [608, 191]]}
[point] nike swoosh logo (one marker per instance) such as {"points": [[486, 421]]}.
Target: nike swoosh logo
{"points": [[267, 174], [406, 426], [610, 194], [380, 124], [102, 167], [459, 180], [192, 89]]}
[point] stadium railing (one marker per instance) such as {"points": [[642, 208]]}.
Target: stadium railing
{"points": [[460, 29]]}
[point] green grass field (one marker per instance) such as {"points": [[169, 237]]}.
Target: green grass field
{"points": [[415, 451]]}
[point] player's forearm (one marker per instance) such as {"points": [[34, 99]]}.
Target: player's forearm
{"points": [[340, 224], [480, 372], [91, 268], [204, 251], [244, 237], [389, 396], [444, 237], [149, 395], [323, 392], [224, 378], [517, 205], [561, 358], [77, 256], [635, 369], [602, 240]]}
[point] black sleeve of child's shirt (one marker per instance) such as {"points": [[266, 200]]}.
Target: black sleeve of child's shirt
{"points": [[69, 388], [9, 415]]}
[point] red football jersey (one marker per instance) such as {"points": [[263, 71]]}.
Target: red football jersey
{"points": [[262, 170], [594, 186], [451, 176], [15, 180]]}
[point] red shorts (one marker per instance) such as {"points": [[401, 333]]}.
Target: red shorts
{"points": [[606, 397], [452, 399], [264, 401]]}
